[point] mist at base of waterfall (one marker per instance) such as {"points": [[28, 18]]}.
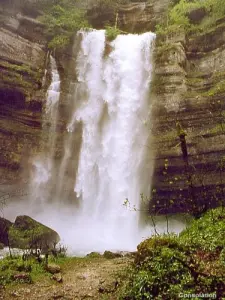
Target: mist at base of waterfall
{"points": [[95, 237]]}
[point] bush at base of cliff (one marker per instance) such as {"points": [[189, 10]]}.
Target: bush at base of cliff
{"points": [[206, 233], [168, 265]]}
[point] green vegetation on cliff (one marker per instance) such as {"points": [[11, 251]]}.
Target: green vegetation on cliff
{"points": [[192, 16], [167, 266], [112, 32], [62, 20], [22, 75]]}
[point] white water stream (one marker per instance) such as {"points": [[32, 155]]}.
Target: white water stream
{"points": [[44, 163], [113, 105], [113, 162]]}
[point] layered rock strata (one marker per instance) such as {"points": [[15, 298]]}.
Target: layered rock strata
{"points": [[22, 64], [189, 89]]}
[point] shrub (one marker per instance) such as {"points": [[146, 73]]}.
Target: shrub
{"points": [[112, 32], [62, 20], [190, 263], [207, 232]]}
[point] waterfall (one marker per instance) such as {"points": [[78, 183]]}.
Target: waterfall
{"points": [[43, 164], [109, 106], [51, 111], [114, 163]]}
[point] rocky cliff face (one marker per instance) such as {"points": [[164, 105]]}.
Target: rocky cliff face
{"points": [[22, 62], [189, 90], [132, 17]]}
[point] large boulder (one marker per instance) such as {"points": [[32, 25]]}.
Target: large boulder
{"points": [[28, 233], [4, 228]]}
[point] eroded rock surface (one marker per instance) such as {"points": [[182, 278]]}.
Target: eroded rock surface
{"points": [[22, 63], [188, 89]]}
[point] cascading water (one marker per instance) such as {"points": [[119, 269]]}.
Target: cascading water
{"points": [[110, 108], [112, 164], [43, 164]]}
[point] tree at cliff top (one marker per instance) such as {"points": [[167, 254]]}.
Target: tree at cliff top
{"points": [[65, 17], [62, 20]]}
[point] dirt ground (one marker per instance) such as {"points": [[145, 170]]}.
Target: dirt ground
{"points": [[86, 279]]}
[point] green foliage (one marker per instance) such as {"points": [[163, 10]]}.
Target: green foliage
{"points": [[164, 51], [94, 255], [218, 129], [208, 232], [22, 69], [34, 270], [112, 32], [148, 247], [38, 272], [15, 78], [222, 257], [23, 76], [27, 233], [62, 20], [65, 17], [193, 81], [217, 89], [190, 263], [10, 267], [178, 18], [59, 41]]}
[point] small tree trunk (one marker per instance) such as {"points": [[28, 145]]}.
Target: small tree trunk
{"points": [[182, 136], [116, 22]]}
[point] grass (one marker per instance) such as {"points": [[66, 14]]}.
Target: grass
{"points": [[9, 267], [12, 266]]}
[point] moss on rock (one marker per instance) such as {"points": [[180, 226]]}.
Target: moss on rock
{"points": [[28, 233]]}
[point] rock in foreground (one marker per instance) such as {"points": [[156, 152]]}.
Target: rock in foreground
{"points": [[53, 268], [28, 233], [4, 228]]}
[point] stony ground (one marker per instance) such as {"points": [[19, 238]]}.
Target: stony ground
{"points": [[96, 278]]}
